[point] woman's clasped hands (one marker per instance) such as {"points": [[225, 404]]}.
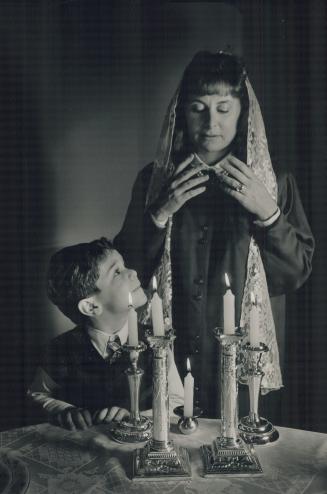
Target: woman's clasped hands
{"points": [[183, 186], [240, 182]]}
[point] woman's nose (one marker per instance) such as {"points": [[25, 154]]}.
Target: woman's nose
{"points": [[213, 119]]}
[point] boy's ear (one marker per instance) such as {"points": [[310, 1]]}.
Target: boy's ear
{"points": [[88, 307]]}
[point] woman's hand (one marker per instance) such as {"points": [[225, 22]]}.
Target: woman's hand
{"points": [[239, 181], [106, 415], [182, 187]]}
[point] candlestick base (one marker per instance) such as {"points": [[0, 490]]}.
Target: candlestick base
{"points": [[128, 431], [227, 456], [170, 463], [257, 432], [188, 425]]}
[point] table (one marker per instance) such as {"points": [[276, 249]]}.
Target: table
{"points": [[46, 459]]}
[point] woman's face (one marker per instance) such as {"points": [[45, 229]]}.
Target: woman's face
{"points": [[211, 122]]}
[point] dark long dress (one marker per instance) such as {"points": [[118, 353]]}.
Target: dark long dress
{"points": [[210, 236]]}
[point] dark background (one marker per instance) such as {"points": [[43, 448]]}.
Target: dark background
{"points": [[83, 89]]}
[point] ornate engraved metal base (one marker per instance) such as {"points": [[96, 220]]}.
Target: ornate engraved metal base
{"points": [[258, 432], [170, 463], [128, 431], [226, 457]]}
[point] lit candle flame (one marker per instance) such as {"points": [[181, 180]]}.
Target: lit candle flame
{"points": [[154, 284], [188, 365], [130, 300], [253, 299], [227, 280]]}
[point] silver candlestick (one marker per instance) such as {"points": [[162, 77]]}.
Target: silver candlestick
{"points": [[160, 459], [229, 454], [253, 428], [135, 428]]}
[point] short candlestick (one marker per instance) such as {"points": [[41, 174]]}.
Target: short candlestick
{"points": [[135, 428], [253, 428]]}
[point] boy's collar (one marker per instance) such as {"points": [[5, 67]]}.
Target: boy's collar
{"points": [[101, 338]]}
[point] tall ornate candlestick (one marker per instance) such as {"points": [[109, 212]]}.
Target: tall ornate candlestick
{"points": [[253, 428], [229, 454], [135, 428], [160, 459]]}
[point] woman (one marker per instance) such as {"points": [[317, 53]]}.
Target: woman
{"points": [[210, 204]]}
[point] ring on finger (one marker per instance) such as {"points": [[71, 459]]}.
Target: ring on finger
{"points": [[240, 188]]}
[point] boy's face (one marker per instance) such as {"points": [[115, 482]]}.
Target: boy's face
{"points": [[115, 282]]}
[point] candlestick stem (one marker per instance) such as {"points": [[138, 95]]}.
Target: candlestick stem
{"points": [[229, 454], [160, 459]]}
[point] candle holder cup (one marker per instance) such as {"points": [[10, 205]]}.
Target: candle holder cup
{"points": [[160, 459], [253, 428], [188, 425], [229, 454], [136, 428]]}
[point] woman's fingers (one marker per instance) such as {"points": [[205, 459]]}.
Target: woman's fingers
{"points": [[238, 195], [194, 182], [184, 164], [186, 176], [190, 194], [234, 172], [242, 167], [232, 182]]}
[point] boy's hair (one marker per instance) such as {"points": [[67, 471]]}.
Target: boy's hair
{"points": [[73, 273]]}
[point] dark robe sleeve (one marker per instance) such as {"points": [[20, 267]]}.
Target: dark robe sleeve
{"points": [[140, 241], [286, 246]]}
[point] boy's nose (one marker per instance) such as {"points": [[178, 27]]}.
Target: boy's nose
{"points": [[132, 273]]}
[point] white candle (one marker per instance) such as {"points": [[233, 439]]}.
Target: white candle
{"points": [[133, 339], [157, 312], [254, 323], [188, 391], [229, 309]]}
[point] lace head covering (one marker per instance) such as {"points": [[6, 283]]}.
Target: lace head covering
{"points": [[258, 159]]}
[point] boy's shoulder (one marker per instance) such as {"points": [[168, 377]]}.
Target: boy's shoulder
{"points": [[74, 336]]}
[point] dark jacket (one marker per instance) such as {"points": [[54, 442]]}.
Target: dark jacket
{"points": [[87, 380], [210, 236]]}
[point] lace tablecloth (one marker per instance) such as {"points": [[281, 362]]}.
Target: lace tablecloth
{"points": [[46, 459]]}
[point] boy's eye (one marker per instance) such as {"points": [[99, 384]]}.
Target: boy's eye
{"points": [[117, 271]]}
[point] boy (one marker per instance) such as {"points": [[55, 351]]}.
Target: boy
{"points": [[81, 380]]}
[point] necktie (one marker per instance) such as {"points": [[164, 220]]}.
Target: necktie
{"points": [[114, 349]]}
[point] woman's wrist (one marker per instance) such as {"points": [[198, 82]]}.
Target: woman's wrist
{"points": [[270, 220], [159, 216]]}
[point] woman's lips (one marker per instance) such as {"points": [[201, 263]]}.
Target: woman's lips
{"points": [[210, 136]]}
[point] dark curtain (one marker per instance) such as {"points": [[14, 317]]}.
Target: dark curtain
{"points": [[285, 50]]}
